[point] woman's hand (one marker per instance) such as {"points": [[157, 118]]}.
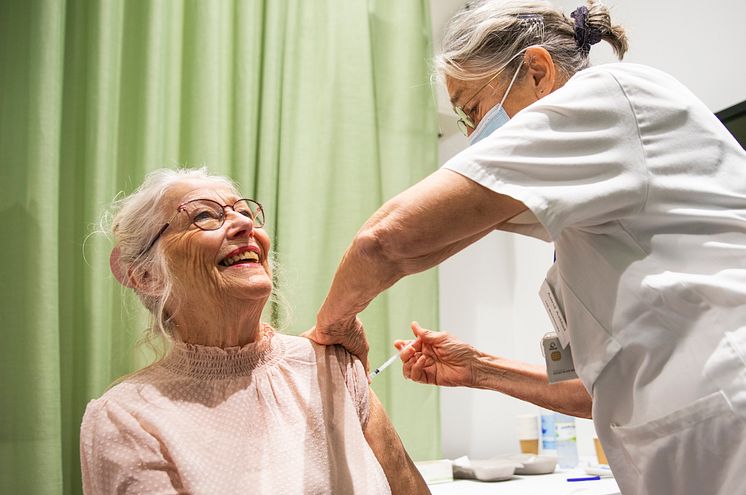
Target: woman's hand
{"points": [[349, 334], [438, 358]]}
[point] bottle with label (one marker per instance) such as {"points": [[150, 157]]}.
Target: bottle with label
{"points": [[567, 445], [548, 435]]}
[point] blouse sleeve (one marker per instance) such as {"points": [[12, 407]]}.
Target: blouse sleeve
{"points": [[117, 455], [574, 158], [356, 381]]}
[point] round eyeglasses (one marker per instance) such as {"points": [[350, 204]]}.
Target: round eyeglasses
{"points": [[206, 214], [465, 122]]}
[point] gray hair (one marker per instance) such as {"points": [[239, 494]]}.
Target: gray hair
{"points": [[486, 35], [136, 220]]}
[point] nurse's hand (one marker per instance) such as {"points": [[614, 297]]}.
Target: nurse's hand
{"points": [[438, 358], [349, 334]]}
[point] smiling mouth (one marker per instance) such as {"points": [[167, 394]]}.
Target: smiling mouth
{"points": [[244, 257]]}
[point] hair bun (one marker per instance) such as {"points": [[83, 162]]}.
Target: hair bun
{"points": [[585, 34]]}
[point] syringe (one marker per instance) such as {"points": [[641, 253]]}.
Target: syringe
{"points": [[390, 360]]}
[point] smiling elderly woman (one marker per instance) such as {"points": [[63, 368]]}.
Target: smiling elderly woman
{"points": [[233, 406]]}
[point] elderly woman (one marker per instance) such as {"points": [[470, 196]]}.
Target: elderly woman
{"points": [[233, 406]]}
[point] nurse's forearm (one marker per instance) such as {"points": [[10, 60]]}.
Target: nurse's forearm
{"points": [[412, 232], [529, 382], [367, 269]]}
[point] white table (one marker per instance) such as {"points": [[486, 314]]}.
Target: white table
{"points": [[544, 484]]}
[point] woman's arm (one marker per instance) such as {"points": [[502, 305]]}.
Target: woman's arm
{"points": [[414, 231], [440, 359], [118, 456], [401, 473]]}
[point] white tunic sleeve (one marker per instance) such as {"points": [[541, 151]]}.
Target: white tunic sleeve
{"points": [[574, 158]]}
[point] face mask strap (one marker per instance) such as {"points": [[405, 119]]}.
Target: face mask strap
{"points": [[494, 111], [510, 85]]}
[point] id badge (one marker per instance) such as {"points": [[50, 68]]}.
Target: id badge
{"points": [[555, 313], [560, 366]]}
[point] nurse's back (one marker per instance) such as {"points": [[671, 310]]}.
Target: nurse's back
{"points": [[677, 383]]}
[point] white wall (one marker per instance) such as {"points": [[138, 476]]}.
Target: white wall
{"points": [[488, 291]]}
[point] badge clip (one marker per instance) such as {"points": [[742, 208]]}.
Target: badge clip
{"points": [[560, 366]]}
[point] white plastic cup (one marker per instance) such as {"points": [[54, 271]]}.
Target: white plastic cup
{"points": [[528, 433]]}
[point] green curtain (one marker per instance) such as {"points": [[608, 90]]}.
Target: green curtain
{"points": [[321, 110]]}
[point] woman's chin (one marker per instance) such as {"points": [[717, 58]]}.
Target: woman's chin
{"points": [[246, 270], [254, 285]]}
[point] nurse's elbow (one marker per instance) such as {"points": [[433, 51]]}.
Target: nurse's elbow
{"points": [[382, 248], [583, 402]]}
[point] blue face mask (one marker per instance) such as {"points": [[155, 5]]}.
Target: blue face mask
{"points": [[495, 118]]}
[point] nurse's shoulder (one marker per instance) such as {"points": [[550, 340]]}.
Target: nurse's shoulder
{"points": [[641, 85]]}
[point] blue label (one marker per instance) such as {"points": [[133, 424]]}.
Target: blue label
{"points": [[548, 433]]}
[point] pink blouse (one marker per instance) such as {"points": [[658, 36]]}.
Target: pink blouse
{"points": [[281, 415]]}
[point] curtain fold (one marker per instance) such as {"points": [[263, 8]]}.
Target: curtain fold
{"points": [[320, 110]]}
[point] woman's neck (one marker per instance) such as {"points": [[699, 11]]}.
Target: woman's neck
{"points": [[231, 324]]}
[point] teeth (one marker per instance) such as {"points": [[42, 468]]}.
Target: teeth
{"points": [[246, 255]]}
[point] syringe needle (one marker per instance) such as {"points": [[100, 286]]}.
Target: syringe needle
{"points": [[390, 360]]}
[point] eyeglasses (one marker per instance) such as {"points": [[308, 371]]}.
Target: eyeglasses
{"points": [[465, 122], [206, 214]]}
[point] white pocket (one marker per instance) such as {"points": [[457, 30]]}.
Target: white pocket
{"points": [[726, 368], [695, 450]]}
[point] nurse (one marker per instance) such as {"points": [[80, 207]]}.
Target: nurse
{"points": [[643, 193]]}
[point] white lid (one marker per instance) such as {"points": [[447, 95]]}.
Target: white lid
{"points": [[528, 426]]}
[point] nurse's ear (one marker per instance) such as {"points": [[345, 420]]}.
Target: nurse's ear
{"points": [[541, 74]]}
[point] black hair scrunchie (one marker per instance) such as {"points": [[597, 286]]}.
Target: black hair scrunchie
{"points": [[585, 35]]}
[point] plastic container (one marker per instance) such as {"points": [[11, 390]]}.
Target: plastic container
{"points": [[528, 433], [567, 444], [548, 434]]}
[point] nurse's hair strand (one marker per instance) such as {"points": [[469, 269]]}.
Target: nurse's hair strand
{"points": [[484, 36]]}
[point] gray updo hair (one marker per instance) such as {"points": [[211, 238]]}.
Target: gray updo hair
{"points": [[135, 220], [487, 34]]}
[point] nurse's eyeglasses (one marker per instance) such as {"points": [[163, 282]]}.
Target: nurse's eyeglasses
{"points": [[465, 122], [206, 214]]}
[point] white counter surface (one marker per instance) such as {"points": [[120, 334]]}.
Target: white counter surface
{"points": [[545, 484]]}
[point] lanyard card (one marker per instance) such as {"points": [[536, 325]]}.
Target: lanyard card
{"points": [[560, 366], [555, 313]]}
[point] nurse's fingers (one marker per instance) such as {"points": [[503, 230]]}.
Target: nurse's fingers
{"points": [[422, 333], [418, 332], [401, 344], [407, 367], [408, 354], [418, 369], [429, 338], [415, 372]]}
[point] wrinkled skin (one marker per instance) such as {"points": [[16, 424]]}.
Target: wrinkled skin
{"points": [[437, 358], [206, 294]]}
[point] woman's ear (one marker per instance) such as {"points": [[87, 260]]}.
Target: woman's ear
{"points": [[541, 72], [120, 273], [139, 280], [143, 282]]}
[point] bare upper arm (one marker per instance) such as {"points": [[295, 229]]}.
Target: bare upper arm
{"points": [[401, 473]]}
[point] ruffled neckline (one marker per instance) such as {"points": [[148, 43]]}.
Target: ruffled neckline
{"points": [[217, 363]]}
